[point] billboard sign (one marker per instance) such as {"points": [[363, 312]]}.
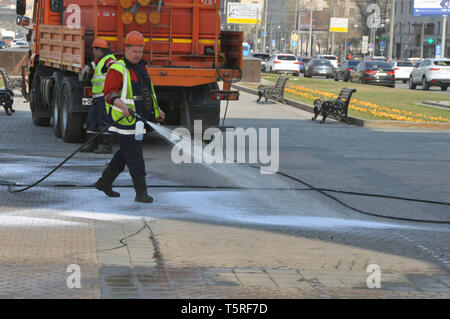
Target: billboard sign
{"points": [[431, 8], [249, 13], [338, 24], [365, 44]]}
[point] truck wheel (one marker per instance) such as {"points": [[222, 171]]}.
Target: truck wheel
{"points": [[72, 129], [56, 102], [40, 116]]}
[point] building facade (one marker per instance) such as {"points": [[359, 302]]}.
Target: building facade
{"points": [[408, 31]]}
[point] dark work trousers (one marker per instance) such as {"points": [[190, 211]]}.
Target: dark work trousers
{"points": [[131, 154], [97, 119]]}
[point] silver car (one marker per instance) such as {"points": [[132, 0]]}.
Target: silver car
{"points": [[431, 72]]}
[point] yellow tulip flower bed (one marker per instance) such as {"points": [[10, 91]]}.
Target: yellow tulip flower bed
{"points": [[370, 101]]}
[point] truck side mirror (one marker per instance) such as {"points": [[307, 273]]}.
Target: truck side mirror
{"points": [[23, 21], [21, 7]]}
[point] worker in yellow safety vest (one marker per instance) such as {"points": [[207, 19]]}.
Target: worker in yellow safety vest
{"points": [[128, 86], [96, 120]]}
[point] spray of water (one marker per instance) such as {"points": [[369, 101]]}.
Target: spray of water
{"points": [[187, 144], [236, 174]]}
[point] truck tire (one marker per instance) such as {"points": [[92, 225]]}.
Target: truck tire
{"points": [[72, 129], [39, 115], [56, 102]]}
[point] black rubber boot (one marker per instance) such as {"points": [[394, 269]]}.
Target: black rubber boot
{"points": [[140, 187], [90, 148], [104, 183], [104, 145]]}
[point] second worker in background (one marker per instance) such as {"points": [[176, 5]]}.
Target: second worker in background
{"points": [[96, 120]]}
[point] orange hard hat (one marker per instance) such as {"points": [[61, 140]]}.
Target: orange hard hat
{"points": [[134, 38], [100, 43]]}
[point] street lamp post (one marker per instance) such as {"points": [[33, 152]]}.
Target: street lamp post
{"points": [[310, 29], [264, 36], [444, 29], [391, 33], [332, 33]]}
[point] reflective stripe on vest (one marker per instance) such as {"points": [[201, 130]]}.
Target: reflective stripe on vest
{"points": [[126, 95], [98, 80]]}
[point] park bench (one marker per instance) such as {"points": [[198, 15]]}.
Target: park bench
{"points": [[275, 92], [337, 108], [6, 94]]}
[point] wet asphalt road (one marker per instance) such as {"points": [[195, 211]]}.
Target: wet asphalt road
{"points": [[410, 164]]}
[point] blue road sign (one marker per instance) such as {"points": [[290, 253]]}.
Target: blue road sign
{"points": [[438, 51], [294, 44], [264, 34], [382, 44], [436, 8]]}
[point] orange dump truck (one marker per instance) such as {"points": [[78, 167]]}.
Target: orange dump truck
{"points": [[186, 51]]}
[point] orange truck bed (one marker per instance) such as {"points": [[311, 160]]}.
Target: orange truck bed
{"points": [[61, 47], [184, 48]]}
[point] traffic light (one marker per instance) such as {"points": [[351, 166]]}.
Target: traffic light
{"points": [[430, 40]]}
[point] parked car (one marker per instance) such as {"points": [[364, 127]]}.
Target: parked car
{"points": [[332, 58], [320, 67], [344, 70], [415, 61], [303, 62], [402, 70], [264, 58], [283, 63], [431, 72], [376, 58], [2, 44], [374, 72], [21, 44], [18, 43]]}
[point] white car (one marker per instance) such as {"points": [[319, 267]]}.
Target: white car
{"points": [[415, 61], [431, 72], [18, 44], [22, 44], [283, 63], [402, 70], [377, 58], [332, 58]]}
